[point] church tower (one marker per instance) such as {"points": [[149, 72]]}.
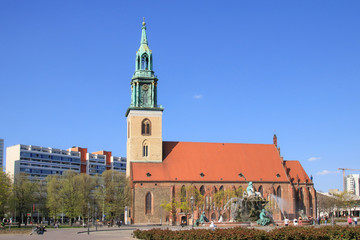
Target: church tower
{"points": [[144, 116]]}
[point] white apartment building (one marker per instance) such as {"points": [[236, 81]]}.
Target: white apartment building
{"points": [[352, 184], [95, 164], [118, 163], [1, 152], [39, 162]]}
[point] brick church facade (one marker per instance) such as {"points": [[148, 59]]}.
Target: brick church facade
{"points": [[159, 171]]}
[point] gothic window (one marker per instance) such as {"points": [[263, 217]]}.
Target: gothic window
{"points": [[148, 202], [138, 63], [260, 190], [310, 204], [145, 149], [202, 190], [144, 62], [146, 127], [221, 188], [183, 194], [278, 192]]}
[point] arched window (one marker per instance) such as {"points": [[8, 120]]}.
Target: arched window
{"points": [[144, 62], [148, 202], [278, 192], [145, 149], [221, 188], [202, 190], [138, 63], [310, 204], [183, 194], [146, 127], [260, 190]]}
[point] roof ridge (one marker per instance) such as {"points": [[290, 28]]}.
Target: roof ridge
{"points": [[218, 143]]}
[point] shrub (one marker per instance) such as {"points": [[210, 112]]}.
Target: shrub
{"points": [[240, 233]]}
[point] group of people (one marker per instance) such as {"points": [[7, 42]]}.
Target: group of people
{"points": [[295, 221], [325, 218], [5, 222], [350, 220]]}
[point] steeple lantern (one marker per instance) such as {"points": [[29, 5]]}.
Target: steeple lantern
{"points": [[144, 63]]}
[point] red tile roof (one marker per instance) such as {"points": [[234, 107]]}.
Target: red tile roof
{"points": [[297, 172], [185, 161]]}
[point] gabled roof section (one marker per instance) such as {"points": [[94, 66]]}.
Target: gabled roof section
{"points": [[213, 162], [297, 172]]}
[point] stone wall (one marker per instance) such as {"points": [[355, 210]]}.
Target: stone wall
{"points": [[288, 200], [160, 193]]}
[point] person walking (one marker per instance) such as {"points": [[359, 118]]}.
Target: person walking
{"points": [[318, 220], [349, 220], [286, 222], [295, 222], [355, 220], [325, 219]]}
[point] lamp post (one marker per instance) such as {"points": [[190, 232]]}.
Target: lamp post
{"points": [[192, 211], [96, 208], [88, 224], [103, 203]]}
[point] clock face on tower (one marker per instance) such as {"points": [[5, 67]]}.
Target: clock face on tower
{"points": [[145, 87]]}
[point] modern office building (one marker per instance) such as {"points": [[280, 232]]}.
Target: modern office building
{"points": [[39, 162], [1, 152], [352, 184]]}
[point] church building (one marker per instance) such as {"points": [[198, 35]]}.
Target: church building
{"points": [[161, 171]]}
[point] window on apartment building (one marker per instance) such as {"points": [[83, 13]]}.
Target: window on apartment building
{"points": [[24, 154], [146, 127]]}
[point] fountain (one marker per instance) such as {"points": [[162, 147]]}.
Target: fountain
{"points": [[248, 208]]}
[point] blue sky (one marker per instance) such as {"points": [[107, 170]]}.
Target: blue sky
{"points": [[229, 71]]}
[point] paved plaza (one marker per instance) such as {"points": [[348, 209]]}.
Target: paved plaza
{"points": [[73, 233], [124, 232]]}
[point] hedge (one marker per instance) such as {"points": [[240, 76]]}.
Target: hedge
{"points": [[240, 233]]}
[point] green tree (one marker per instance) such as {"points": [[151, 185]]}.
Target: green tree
{"points": [[40, 195], [347, 201], [70, 194], [5, 186], [23, 195], [113, 193], [223, 196], [86, 185], [54, 199], [183, 202]]}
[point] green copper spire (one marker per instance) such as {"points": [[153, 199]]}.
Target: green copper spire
{"points": [[143, 33], [144, 62], [144, 81]]}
